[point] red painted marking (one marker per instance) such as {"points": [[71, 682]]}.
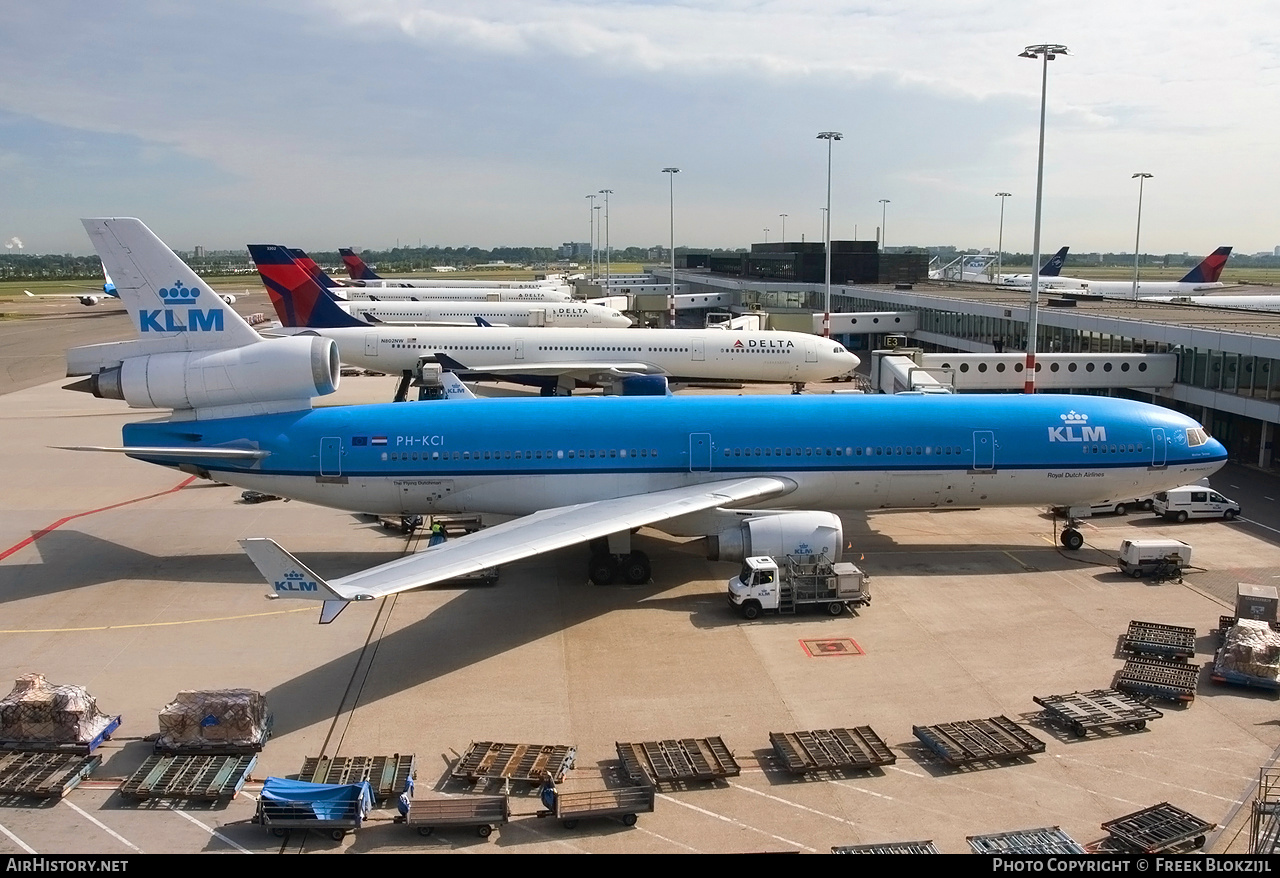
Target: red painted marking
{"points": [[61, 521]]}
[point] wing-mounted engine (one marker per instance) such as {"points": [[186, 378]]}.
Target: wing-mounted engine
{"points": [[644, 385], [778, 534], [227, 297], [89, 300], [281, 374]]}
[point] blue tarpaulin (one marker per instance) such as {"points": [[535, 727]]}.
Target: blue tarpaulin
{"points": [[327, 801]]}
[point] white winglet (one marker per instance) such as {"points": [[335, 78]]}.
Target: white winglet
{"points": [[290, 578]]}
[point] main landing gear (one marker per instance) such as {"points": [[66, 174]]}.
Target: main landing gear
{"points": [[613, 558]]}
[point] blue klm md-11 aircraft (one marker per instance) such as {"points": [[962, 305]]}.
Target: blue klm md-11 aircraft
{"points": [[585, 470]]}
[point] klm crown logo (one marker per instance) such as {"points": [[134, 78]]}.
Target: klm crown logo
{"points": [[179, 295], [174, 320], [294, 581], [1072, 417]]}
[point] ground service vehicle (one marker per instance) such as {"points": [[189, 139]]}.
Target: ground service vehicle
{"points": [[1194, 501], [792, 581], [1140, 558]]}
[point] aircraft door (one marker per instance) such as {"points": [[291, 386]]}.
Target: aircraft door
{"points": [[371, 344], [810, 351], [519, 348], [1159, 450], [699, 452], [984, 450], [699, 350], [331, 456]]}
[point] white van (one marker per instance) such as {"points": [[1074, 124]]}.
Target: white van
{"points": [[1194, 501]]}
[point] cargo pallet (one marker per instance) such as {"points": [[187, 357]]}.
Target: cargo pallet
{"points": [[979, 740], [482, 813], [1101, 708], [190, 776], [892, 847], [1162, 641], [675, 761], [43, 774], [388, 776], [1159, 828], [522, 762], [218, 748], [1173, 681], [1048, 840], [84, 749], [831, 749]]}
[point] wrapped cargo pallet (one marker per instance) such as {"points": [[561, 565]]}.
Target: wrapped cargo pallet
{"points": [[1250, 649], [214, 718], [38, 712]]}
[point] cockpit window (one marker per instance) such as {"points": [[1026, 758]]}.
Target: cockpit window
{"points": [[1196, 436]]}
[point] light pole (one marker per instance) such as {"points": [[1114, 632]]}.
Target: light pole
{"points": [[784, 226], [766, 236], [591, 214], [1000, 246], [607, 255], [1142, 177], [671, 181], [595, 249], [884, 226], [828, 136], [1048, 52]]}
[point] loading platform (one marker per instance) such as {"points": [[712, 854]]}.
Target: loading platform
{"points": [[520, 762], [205, 777], [1172, 681], [831, 749], [387, 776], [1159, 828], [44, 775], [676, 761], [892, 847], [979, 740], [105, 727], [1099, 709], [1048, 840], [1162, 641]]}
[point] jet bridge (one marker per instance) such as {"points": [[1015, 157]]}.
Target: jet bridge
{"points": [[909, 369]]}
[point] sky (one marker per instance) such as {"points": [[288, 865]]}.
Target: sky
{"points": [[367, 123]]}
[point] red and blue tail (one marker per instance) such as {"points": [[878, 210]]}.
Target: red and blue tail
{"points": [[355, 265], [309, 265], [298, 299], [1209, 269]]}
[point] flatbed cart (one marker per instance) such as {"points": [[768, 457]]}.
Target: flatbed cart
{"points": [[335, 809], [1162, 827], [979, 740], [482, 813], [571, 806], [1081, 712], [1172, 681], [1159, 640]]}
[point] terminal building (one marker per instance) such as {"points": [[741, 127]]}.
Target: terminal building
{"points": [[1225, 371]]}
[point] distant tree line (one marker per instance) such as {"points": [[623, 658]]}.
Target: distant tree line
{"points": [[416, 259]]}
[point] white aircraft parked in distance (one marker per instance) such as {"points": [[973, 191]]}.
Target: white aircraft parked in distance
{"points": [[1202, 278]]}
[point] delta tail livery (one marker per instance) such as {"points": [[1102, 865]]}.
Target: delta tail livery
{"points": [[556, 360], [754, 474], [439, 312]]}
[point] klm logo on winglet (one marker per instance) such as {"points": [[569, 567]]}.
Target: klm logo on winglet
{"points": [[197, 319], [294, 581], [1068, 433]]}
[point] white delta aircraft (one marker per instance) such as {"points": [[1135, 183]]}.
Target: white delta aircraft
{"points": [[442, 312], [364, 276], [1201, 279], [556, 360], [755, 475]]}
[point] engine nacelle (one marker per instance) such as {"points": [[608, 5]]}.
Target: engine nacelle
{"points": [[784, 533], [274, 370], [227, 297], [88, 300], [644, 385]]}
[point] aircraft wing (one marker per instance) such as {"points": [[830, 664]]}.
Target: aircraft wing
{"points": [[524, 537], [583, 370]]}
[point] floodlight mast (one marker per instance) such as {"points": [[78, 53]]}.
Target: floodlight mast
{"points": [[828, 136], [671, 179], [1141, 177], [1047, 52]]}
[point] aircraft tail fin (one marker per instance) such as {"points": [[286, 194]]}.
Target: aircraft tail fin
{"points": [[1053, 265], [355, 265], [1209, 269], [298, 299], [290, 578], [166, 300], [309, 265], [480, 321]]}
